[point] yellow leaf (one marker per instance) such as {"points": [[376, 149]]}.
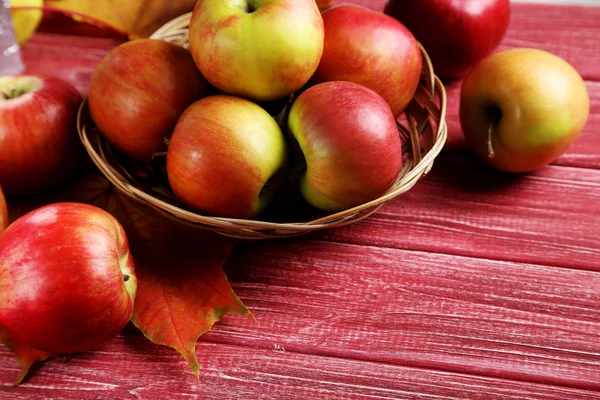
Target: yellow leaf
{"points": [[136, 18], [26, 16]]}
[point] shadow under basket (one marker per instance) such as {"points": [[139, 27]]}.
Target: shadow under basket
{"points": [[422, 129]]}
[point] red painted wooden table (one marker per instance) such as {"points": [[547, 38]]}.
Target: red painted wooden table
{"points": [[473, 285]]}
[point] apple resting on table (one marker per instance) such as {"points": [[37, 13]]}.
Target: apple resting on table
{"points": [[372, 49], [348, 136], [67, 279], [258, 49], [520, 109], [455, 33], [39, 146], [138, 92], [226, 157]]}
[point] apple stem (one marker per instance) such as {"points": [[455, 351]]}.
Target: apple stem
{"points": [[125, 277], [5, 96], [491, 152]]}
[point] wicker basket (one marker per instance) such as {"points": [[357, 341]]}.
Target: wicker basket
{"points": [[423, 131]]}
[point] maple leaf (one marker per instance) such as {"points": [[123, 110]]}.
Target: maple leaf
{"points": [[26, 355], [182, 289]]}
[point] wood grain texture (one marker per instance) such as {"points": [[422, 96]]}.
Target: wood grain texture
{"points": [[462, 207], [233, 372], [507, 320], [473, 285]]}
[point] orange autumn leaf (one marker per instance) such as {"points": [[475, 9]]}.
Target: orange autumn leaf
{"points": [[182, 289], [26, 356]]}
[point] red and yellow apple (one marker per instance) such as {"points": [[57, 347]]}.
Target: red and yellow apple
{"points": [[139, 90], [39, 146], [520, 109], [226, 157], [372, 49], [261, 50], [455, 33], [67, 279], [348, 136]]}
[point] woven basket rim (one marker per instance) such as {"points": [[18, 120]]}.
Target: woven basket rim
{"points": [[429, 89]]}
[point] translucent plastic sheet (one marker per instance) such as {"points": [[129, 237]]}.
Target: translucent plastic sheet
{"points": [[10, 56]]}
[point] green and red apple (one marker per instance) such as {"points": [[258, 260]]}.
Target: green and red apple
{"points": [[258, 49], [372, 49], [139, 90], [522, 108], [348, 136], [226, 157]]}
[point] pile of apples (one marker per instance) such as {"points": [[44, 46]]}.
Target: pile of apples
{"points": [[345, 73]]}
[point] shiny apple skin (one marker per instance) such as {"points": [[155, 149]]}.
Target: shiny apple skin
{"points": [[260, 50], [62, 286], [543, 103], [222, 154], [372, 49], [456, 34], [349, 139], [39, 146], [139, 90]]}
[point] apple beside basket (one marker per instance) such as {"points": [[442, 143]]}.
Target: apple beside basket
{"points": [[423, 132]]}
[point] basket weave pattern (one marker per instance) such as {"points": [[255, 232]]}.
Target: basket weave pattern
{"points": [[423, 132]]}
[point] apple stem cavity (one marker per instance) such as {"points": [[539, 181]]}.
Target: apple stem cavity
{"points": [[125, 277], [13, 94]]}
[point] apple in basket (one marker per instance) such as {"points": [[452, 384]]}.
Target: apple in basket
{"points": [[226, 157], [455, 34], [372, 49], [39, 146], [67, 279], [522, 108], [261, 50], [139, 90], [348, 136]]}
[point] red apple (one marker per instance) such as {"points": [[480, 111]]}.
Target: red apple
{"points": [[67, 279], [349, 139], [138, 92], [226, 157], [3, 212], [262, 50], [372, 49], [39, 146], [455, 33], [520, 109]]}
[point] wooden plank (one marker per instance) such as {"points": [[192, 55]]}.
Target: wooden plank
{"points": [[505, 320], [236, 372], [550, 217]]}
